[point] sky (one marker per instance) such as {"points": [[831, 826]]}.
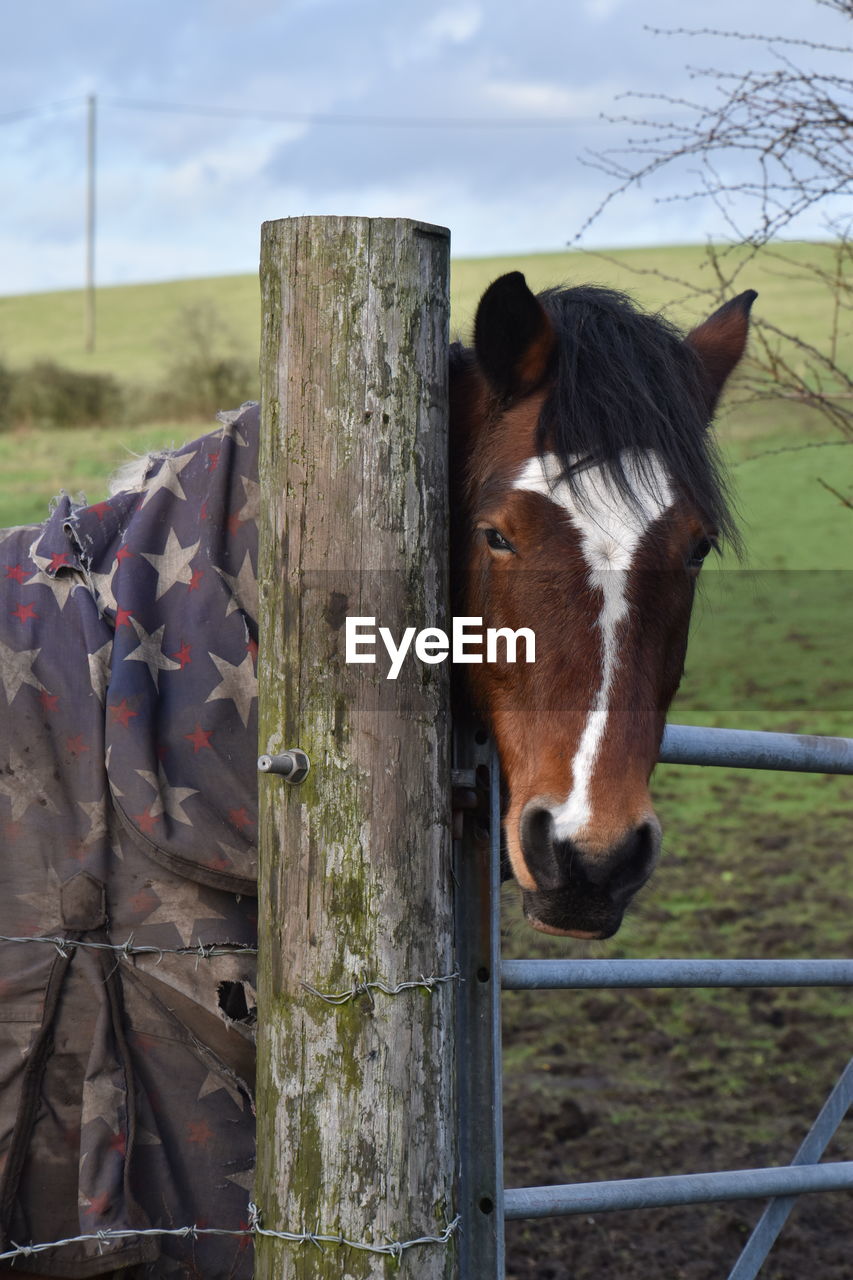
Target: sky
{"points": [[480, 115]]}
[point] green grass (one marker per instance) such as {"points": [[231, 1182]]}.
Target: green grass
{"points": [[136, 323], [36, 465], [767, 645]]}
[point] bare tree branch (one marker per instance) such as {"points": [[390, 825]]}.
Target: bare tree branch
{"points": [[764, 146], [840, 496]]}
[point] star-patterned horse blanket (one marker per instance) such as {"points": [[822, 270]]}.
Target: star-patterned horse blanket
{"points": [[128, 748]]}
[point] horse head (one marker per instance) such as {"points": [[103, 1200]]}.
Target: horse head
{"points": [[587, 493]]}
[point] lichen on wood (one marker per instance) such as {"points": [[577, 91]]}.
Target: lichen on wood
{"points": [[355, 1102]]}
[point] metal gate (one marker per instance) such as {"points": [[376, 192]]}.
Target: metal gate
{"points": [[485, 1204]]}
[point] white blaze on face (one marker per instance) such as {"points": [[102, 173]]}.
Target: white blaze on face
{"points": [[611, 529]]}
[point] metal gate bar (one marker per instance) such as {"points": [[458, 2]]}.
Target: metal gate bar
{"points": [[484, 1202], [754, 749], [574, 975], [676, 1189], [478, 1023], [775, 1215]]}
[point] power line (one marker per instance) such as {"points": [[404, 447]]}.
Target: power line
{"points": [[27, 113], [368, 121], [331, 119]]}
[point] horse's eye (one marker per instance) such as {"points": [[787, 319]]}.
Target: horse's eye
{"points": [[700, 552], [497, 541]]}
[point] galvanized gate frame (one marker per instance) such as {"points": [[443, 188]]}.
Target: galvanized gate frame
{"points": [[484, 1202]]}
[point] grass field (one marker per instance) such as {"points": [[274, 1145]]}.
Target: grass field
{"points": [[613, 1085], [139, 326], [137, 323]]}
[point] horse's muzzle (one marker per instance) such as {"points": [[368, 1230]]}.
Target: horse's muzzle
{"points": [[582, 890]]}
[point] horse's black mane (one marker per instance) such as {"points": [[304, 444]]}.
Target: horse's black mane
{"points": [[625, 380]]}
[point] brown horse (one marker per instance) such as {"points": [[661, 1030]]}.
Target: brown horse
{"points": [[588, 493]]}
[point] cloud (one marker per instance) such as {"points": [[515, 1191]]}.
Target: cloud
{"points": [[455, 26], [544, 98], [601, 10], [180, 188]]}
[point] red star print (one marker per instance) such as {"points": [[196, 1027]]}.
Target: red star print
{"points": [[98, 1205], [15, 572], [122, 713], [202, 515], [144, 902], [239, 818], [252, 648], [200, 738], [198, 574], [48, 701], [76, 745], [24, 612], [213, 460], [199, 1131], [100, 509], [118, 1142], [58, 560], [148, 1044], [183, 654], [123, 553], [233, 522], [145, 821], [12, 830], [78, 852], [123, 617]]}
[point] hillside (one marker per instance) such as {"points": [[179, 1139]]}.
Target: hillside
{"points": [[142, 327], [137, 324]]}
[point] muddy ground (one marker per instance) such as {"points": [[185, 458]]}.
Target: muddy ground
{"points": [[638, 1083]]}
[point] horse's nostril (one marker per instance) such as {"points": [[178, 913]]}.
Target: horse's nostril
{"points": [[631, 864], [538, 827], [540, 848], [618, 871], [614, 872]]}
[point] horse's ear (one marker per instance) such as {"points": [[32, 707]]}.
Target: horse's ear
{"points": [[721, 341], [513, 337]]}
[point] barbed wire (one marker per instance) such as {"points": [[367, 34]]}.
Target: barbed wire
{"points": [[391, 1248], [201, 950], [207, 950], [361, 987]]}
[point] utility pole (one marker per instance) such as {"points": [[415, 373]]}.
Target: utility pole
{"points": [[90, 223]]}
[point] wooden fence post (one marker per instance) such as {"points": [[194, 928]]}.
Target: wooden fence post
{"points": [[355, 1099]]}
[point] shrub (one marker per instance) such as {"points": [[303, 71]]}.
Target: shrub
{"points": [[48, 395], [7, 382], [202, 376]]}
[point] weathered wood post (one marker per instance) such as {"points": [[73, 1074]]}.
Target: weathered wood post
{"points": [[355, 1099]]}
